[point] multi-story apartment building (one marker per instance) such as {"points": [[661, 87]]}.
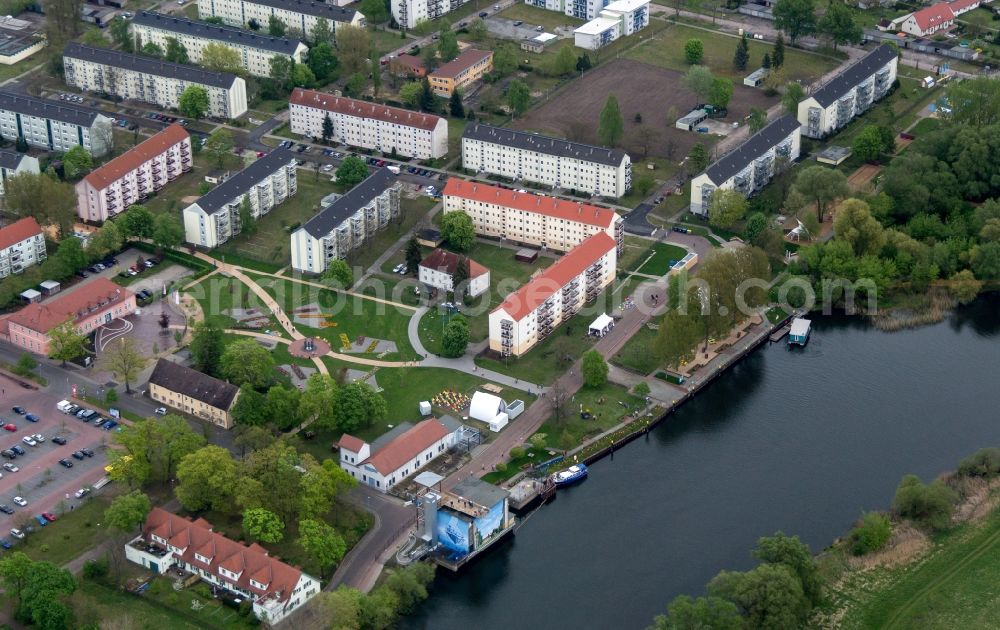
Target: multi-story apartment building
{"points": [[369, 125], [750, 166], [298, 14], [134, 175], [619, 19], [530, 219], [88, 308], [470, 66], [151, 80], [53, 125], [531, 313], [274, 588], [256, 50], [520, 155], [193, 392], [14, 163], [848, 94], [346, 223], [21, 245], [215, 217], [580, 9], [409, 13]]}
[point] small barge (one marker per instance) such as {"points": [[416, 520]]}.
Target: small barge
{"points": [[798, 335]]}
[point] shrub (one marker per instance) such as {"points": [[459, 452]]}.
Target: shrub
{"points": [[930, 505], [517, 452], [95, 569], [501, 467], [983, 463], [871, 534]]}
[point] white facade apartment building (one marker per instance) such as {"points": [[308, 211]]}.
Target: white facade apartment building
{"points": [[134, 175], [409, 13], [850, 93], [369, 125], [347, 223], [150, 80], [14, 163], [580, 9], [300, 14], [618, 19], [22, 245], [530, 219], [520, 155], [53, 125], [256, 50], [531, 313], [750, 166], [215, 217], [438, 270]]}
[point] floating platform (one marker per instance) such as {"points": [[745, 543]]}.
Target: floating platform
{"points": [[528, 492], [779, 334]]}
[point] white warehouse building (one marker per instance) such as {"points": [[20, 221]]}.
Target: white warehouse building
{"points": [[53, 125], [520, 155], [346, 223], [215, 217], [368, 125], [750, 166], [618, 19], [299, 14], [255, 49], [849, 94], [149, 80]]}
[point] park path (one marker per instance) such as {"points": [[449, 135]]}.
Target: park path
{"points": [[331, 353]]}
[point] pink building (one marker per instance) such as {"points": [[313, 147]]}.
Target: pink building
{"points": [[134, 175], [98, 303]]}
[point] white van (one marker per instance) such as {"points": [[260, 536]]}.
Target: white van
{"points": [[64, 406]]}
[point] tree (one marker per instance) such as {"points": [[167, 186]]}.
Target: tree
{"points": [[374, 11], [413, 254], [855, 224], [721, 93], [820, 185], [770, 596], [742, 55], [123, 359], [248, 222], [193, 102], [263, 525], [868, 145], [641, 389], [247, 362], [765, 61], [276, 27], [564, 63], [168, 232], [327, 128], [219, 144], [206, 479], [351, 172], [964, 287], [253, 24], [323, 63], [699, 79], [222, 58], [136, 222], [107, 240], [152, 49], [929, 505], [357, 406], [410, 92], [26, 364], [353, 44], [794, 94], [455, 338], [758, 119], [643, 184], [594, 369], [176, 51], [251, 438], [447, 45], [755, 226], [698, 158], [518, 97], [283, 406], [974, 102], [355, 85], [339, 273], [322, 543], [726, 208], [694, 51], [583, 63], [985, 261], [460, 278], [128, 512], [43, 197], [119, 33], [458, 231], [455, 106], [320, 485], [795, 18], [318, 402], [611, 127], [839, 25], [428, 100], [703, 613], [250, 408], [322, 32], [302, 76], [39, 591], [871, 534], [778, 52], [269, 479], [794, 554], [504, 60], [76, 162], [65, 343], [206, 347]]}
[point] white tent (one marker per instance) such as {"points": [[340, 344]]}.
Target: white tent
{"points": [[486, 407], [602, 325]]}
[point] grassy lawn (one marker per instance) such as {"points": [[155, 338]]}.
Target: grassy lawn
{"points": [[189, 184], [898, 111], [383, 42], [74, 532], [637, 354], [604, 406], [392, 288], [219, 293], [663, 254], [531, 456], [636, 250], [534, 16], [42, 57], [412, 211], [456, 127], [667, 51]]}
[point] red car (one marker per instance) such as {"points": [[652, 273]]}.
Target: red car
{"points": [[49, 516], [10, 427], [260, 154]]}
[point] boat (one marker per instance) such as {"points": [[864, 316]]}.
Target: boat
{"points": [[570, 476]]}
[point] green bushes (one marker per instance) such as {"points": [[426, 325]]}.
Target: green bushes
{"points": [[871, 534], [929, 505], [983, 463]]}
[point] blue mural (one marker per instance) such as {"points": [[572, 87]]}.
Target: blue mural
{"points": [[452, 532], [487, 525]]}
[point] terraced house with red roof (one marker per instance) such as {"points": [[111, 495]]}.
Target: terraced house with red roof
{"points": [[134, 175], [170, 541]]}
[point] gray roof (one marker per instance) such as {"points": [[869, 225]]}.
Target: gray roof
{"points": [[241, 182], [358, 197], [479, 492], [390, 435], [10, 159], [853, 75], [319, 9], [543, 144], [755, 146], [216, 32], [197, 385], [149, 65], [44, 108]]}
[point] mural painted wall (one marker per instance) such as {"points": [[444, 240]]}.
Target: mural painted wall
{"points": [[485, 526], [452, 532]]}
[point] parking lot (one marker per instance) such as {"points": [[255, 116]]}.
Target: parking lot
{"points": [[40, 480]]}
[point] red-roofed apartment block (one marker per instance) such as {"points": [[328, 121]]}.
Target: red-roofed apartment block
{"points": [[929, 20], [22, 244], [531, 313], [399, 453], [530, 219], [168, 540], [89, 307], [134, 175], [369, 125]]}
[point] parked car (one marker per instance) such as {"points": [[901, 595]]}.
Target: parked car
{"points": [[59, 440], [6, 544], [483, 14], [38, 437], [6, 509], [160, 411], [109, 425], [87, 452], [30, 441], [49, 516], [82, 492], [10, 467], [19, 501], [518, 23], [9, 454], [19, 410], [41, 520], [16, 533], [78, 455], [65, 463], [10, 427], [17, 449], [30, 417], [682, 230]]}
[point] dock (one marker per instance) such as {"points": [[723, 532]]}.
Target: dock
{"points": [[779, 334], [529, 491]]}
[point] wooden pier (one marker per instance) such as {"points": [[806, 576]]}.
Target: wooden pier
{"points": [[527, 492], [780, 334]]}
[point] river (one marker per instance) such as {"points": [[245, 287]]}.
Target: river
{"points": [[799, 440]]}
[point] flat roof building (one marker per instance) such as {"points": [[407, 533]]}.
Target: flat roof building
{"points": [[616, 20]]}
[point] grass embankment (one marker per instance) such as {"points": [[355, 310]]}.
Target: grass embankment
{"points": [[606, 406]]}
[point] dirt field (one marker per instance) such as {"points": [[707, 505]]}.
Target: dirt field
{"points": [[642, 89], [861, 179]]}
